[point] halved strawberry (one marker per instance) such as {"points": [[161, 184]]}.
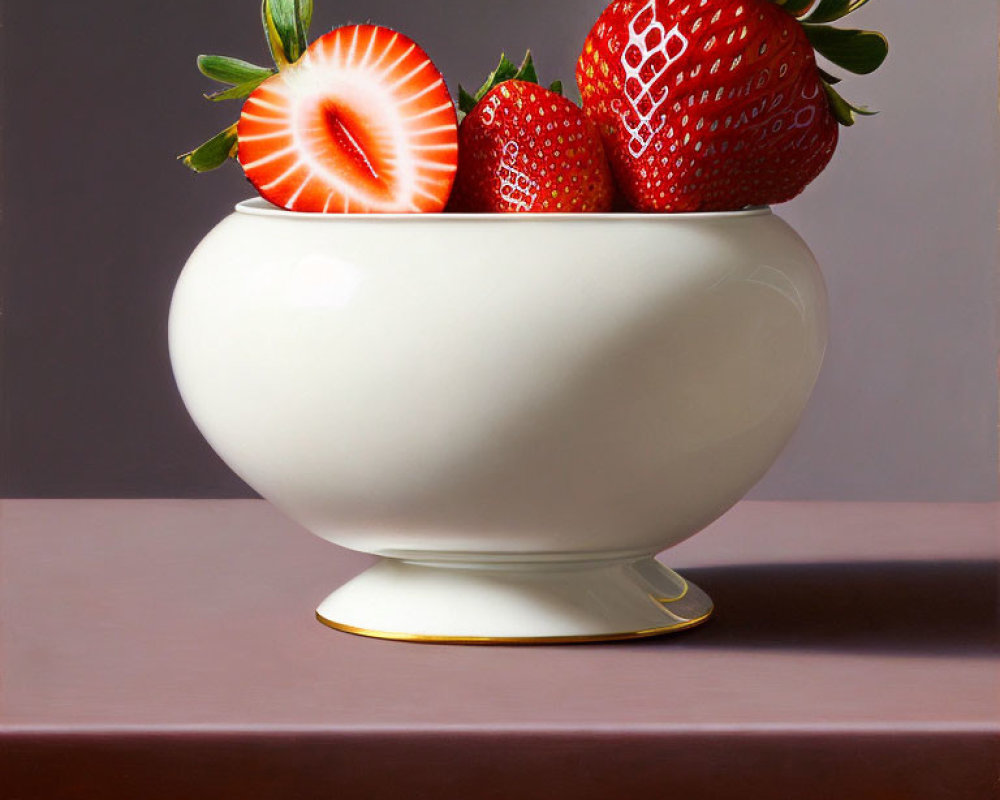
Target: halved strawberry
{"points": [[362, 122]]}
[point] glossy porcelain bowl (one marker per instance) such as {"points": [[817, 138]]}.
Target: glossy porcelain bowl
{"points": [[515, 411]]}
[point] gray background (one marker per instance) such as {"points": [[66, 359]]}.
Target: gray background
{"points": [[98, 220]]}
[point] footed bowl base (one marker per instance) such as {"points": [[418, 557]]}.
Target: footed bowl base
{"points": [[504, 602]]}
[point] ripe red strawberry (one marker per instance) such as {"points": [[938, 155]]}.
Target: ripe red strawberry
{"points": [[719, 104], [362, 122], [523, 147]]}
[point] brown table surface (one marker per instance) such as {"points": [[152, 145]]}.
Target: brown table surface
{"points": [[167, 648]]}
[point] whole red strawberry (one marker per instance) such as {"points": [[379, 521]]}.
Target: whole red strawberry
{"points": [[719, 104], [523, 147]]}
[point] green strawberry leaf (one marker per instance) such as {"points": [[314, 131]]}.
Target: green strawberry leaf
{"points": [[466, 101], [843, 111], [526, 72], [829, 10], [213, 153], [856, 51], [274, 43], [238, 91], [833, 80], [795, 7], [306, 16], [504, 72], [288, 19], [231, 70], [283, 26]]}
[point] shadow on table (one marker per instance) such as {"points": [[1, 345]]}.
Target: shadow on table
{"points": [[897, 607]]}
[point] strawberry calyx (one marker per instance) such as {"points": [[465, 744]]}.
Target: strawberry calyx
{"points": [[286, 28], [858, 51], [213, 153], [506, 71]]}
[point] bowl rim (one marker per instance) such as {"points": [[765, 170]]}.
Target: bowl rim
{"points": [[259, 207]]}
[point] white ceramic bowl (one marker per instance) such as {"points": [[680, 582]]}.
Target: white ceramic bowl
{"points": [[516, 411]]}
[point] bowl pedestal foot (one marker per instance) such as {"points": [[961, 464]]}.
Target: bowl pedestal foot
{"points": [[515, 602]]}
